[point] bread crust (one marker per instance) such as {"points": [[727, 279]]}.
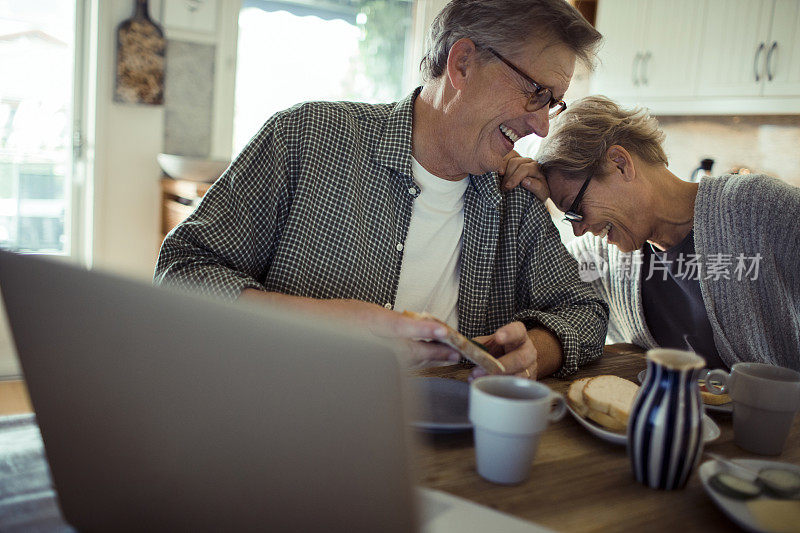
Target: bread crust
{"points": [[606, 421], [463, 345], [575, 396]]}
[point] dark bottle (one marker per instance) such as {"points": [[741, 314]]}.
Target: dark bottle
{"points": [[703, 170]]}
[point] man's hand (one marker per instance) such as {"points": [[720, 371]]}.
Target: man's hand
{"points": [[386, 323], [512, 346], [526, 171], [378, 320]]}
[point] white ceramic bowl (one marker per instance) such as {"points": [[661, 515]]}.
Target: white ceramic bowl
{"points": [[191, 168]]}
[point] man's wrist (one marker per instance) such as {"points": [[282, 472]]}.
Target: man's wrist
{"points": [[549, 354]]}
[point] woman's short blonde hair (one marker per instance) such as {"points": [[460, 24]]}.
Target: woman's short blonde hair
{"points": [[580, 137]]}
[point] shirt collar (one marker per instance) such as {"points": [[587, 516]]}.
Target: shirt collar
{"points": [[394, 149], [488, 187]]}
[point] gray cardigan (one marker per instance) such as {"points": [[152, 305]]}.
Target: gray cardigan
{"points": [[753, 319]]}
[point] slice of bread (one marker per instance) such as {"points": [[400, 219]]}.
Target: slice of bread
{"points": [[610, 395], [575, 399], [469, 349], [575, 396]]}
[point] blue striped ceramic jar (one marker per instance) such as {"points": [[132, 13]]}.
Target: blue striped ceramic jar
{"points": [[665, 429]]}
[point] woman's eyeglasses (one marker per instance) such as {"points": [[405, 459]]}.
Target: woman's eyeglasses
{"points": [[572, 214]]}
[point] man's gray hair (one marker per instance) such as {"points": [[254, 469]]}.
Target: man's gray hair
{"points": [[505, 25]]}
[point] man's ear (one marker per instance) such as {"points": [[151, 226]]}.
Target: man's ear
{"points": [[460, 60], [620, 162]]}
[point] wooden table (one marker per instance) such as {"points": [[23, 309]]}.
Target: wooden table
{"points": [[14, 398], [579, 482]]}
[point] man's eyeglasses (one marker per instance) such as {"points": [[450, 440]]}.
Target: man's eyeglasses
{"points": [[540, 97], [572, 213]]}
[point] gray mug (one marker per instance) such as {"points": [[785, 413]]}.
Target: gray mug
{"points": [[765, 399]]}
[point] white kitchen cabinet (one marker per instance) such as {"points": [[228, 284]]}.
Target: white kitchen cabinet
{"points": [[668, 65], [649, 50], [734, 47], [622, 24], [782, 59], [194, 20], [686, 57]]}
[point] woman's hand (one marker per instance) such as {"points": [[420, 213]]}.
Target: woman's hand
{"points": [[526, 172]]}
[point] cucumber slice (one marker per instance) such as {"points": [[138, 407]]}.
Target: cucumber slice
{"points": [[734, 487], [779, 482]]}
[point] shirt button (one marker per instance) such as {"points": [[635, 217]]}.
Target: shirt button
{"points": [[399, 246], [387, 305], [412, 191]]}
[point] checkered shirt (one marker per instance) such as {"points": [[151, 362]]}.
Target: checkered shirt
{"points": [[319, 202]]}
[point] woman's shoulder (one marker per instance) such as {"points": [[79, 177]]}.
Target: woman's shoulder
{"points": [[745, 189], [745, 209]]}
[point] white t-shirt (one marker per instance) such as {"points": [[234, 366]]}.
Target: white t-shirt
{"points": [[429, 276]]}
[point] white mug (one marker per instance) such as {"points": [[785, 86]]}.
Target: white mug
{"points": [[509, 415]]}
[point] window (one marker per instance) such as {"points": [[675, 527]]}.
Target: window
{"points": [[290, 52], [36, 95]]}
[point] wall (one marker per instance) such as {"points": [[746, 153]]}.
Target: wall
{"points": [[423, 14], [128, 137], [127, 197], [768, 144]]}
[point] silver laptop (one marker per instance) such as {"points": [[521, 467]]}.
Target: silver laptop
{"points": [[165, 411]]}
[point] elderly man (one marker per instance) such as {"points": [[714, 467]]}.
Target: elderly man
{"points": [[357, 211]]}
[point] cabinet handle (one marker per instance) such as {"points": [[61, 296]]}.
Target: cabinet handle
{"points": [[755, 61], [645, 59], [634, 72], [769, 59]]}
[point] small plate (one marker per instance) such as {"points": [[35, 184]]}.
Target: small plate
{"points": [[710, 429], [442, 405], [724, 408], [737, 510]]}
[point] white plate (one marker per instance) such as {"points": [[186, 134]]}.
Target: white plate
{"points": [[737, 510], [724, 408], [442, 405], [710, 429]]}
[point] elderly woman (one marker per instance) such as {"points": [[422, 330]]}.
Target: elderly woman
{"points": [[712, 266]]}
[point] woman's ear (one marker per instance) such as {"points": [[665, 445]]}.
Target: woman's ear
{"points": [[620, 162], [460, 61]]}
